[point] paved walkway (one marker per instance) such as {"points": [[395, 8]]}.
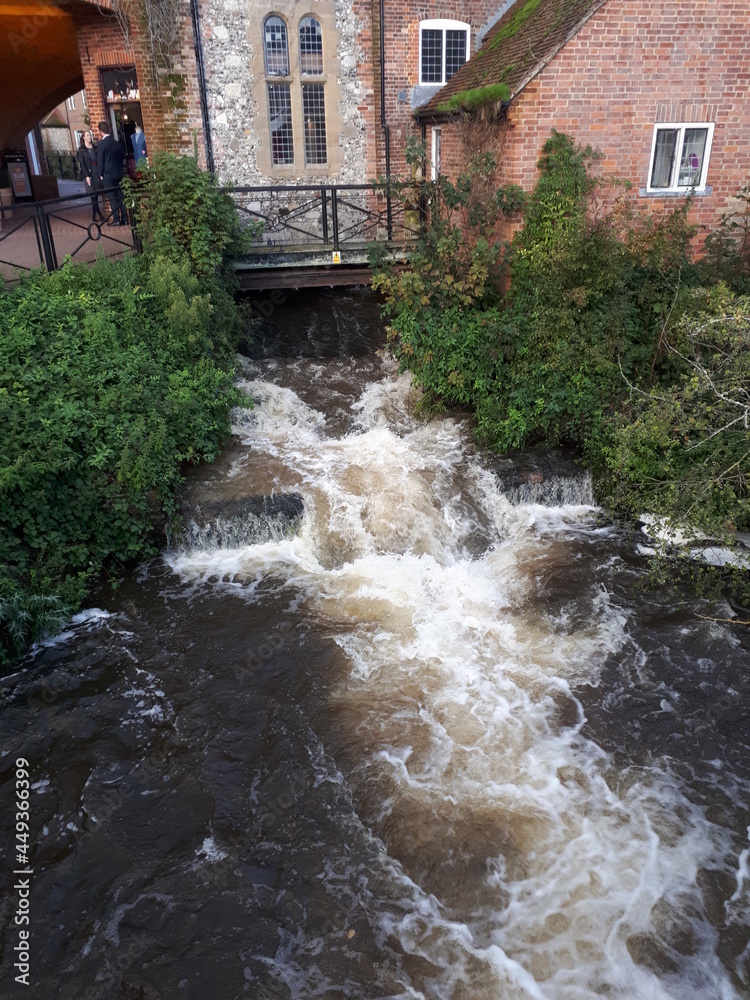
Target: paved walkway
{"points": [[72, 233]]}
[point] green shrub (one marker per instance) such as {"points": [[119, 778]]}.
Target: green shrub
{"points": [[443, 322], [182, 213], [682, 450], [107, 386]]}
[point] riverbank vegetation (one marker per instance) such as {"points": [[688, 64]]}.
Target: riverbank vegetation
{"points": [[592, 327], [112, 377]]}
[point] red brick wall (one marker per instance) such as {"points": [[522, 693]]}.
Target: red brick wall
{"points": [[368, 71], [169, 119], [402, 62], [632, 65]]}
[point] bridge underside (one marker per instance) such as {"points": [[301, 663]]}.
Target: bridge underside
{"points": [[260, 279], [309, 267]]}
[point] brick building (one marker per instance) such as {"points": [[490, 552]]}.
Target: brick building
{"points": [[122, 84], [50, 51], [660, 87]]}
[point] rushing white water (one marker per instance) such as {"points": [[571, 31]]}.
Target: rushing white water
{"points": [[529, 866]]}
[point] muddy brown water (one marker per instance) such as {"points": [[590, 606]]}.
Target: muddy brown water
{"points": [[435, 742]]}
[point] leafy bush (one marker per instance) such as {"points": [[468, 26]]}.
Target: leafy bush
{"points": [[107, 386], [182, 214], [682, 451], [727, 256], [610, 337], [584, 308], [442, 308]]}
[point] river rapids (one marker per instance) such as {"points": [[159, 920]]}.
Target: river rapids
{"points": [[423, 734]]}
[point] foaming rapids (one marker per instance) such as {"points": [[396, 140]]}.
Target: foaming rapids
{"points": [[528, 865]]}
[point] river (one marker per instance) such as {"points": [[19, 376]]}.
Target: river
{"points": [[432, 739]]}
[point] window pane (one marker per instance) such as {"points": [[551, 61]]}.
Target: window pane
{"points": [[277, 50], [432, 56], [691, 161], [455, 52], [314, 115], [666, 141], [280, 115], [310, 46]]}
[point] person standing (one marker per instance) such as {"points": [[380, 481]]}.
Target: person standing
{"points": [[139, 145], [110, 157], [90, 173]]}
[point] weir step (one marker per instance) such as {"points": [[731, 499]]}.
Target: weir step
{"points": [[241, 521]]}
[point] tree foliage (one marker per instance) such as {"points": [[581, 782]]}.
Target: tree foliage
{"points": [[681, 450]]}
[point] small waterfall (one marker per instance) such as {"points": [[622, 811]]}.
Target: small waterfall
{"points": [[550, 480], [241, 521]]}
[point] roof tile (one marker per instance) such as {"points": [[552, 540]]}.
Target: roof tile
{"points": [[524, 40]]}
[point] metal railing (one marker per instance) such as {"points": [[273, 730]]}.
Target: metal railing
{"points": [[290, 223], [329, 217], [62, 165], [45, 233]]}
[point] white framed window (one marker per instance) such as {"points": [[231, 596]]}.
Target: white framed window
{"points": [[84, 101], [71, 102], [443, 49], [79, 136], [680, 152], [437, 142]]}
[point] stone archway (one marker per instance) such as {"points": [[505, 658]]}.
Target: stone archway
{"points": [[39, 64]]}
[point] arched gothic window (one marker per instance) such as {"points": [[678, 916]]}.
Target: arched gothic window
{"points": [[276, 47], [310, 46]]}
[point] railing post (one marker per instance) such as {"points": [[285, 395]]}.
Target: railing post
{"points": [[335, 216], [48, 243], [324, 209]]}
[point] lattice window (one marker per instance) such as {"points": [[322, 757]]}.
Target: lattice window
{"points": [[455, 52], [280, 117], [443, 49], [276, 47], [314, 116], [432, 56], [310, 46]]}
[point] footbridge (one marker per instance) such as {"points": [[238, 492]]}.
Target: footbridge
{"points": [[321, 235], [297, 235]]}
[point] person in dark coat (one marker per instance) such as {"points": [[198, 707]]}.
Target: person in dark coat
{"points": [[89, 171], [110, 157]]}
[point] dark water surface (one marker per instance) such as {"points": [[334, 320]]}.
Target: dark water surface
{"points": [[436, 742]]}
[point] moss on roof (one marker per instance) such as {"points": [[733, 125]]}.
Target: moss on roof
{"points": [[521, 15], [467, 99], [525, 38]]}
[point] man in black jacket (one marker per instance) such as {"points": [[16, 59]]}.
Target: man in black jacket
{"points": [[110, 157]]}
